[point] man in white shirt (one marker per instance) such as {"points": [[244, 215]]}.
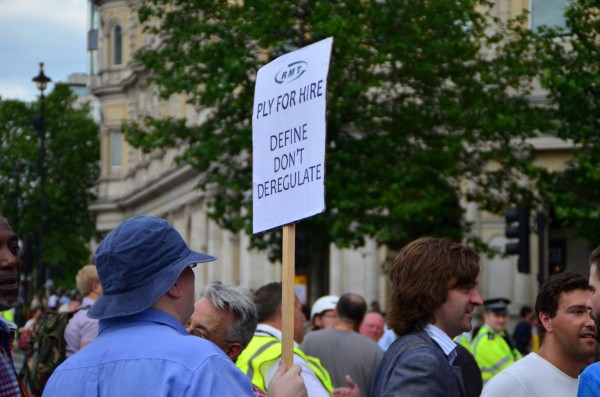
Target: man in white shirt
{"points": [[568, 342]]}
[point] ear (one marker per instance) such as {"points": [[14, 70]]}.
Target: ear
{"points": [[233, 350], [176, 291], [97, 287], [546, 321]]}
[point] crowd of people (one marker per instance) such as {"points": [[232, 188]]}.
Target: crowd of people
{"points": [[60, 300], [135, 310]]}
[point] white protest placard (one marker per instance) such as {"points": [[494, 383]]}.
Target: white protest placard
{"points": [[288, 137]]}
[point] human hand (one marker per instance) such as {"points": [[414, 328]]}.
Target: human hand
{"points": [[351, 391], [287, 382]]}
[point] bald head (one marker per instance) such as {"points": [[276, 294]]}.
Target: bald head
{"points": [[351, 308]]}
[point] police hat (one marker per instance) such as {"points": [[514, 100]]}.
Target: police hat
{"points": [[497, 305]]}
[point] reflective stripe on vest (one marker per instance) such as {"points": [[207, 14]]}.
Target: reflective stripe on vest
{"points": [[492, 353], [315, 364], [265, 349]]}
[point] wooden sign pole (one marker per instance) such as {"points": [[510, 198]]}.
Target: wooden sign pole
{"points": [[287, 284]]}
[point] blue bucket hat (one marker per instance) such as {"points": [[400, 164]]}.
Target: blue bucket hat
{"points": [[137, 263]]}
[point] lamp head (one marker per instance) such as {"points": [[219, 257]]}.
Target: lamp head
{"points": [[41, 80]]}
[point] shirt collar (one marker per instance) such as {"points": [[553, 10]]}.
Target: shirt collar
{"points": [[87, 301], [447, 345], [264, 329]]}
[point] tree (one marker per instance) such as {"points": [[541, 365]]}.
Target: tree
{"points": [[72, 152], [571, 65], [427, 107]]}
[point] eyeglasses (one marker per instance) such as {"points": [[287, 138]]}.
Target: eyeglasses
{"points": [[195, 331], [375, 327]]}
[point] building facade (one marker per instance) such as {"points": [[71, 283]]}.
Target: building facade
{"points": [[134, 183]]}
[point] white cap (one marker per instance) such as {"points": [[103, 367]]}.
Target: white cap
{"points": [[323, 304]]}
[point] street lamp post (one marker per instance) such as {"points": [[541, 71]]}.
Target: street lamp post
{"points": [[41, 80]]}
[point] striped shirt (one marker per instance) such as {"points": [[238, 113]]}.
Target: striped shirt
{"points": [[443, 340], [9, 383]]}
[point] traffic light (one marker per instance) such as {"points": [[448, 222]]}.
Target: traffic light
{"points": [[517, 226]]}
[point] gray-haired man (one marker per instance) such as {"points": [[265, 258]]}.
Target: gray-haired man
{"points": [[225, 315]]}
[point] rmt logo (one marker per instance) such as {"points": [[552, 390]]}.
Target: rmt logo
{"points": [[291, 72]]}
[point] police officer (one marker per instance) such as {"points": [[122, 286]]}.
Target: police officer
{"points": [[493, 348]]}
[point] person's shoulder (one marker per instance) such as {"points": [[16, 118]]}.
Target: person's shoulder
{"points": [[189, 351], [589, 381], [413, 344], [522, 371], [79, 320], [505, 383], [366, 343], [194, 343], [159, 340], [592, 371], [80, 314], [483, 337], [416, 338], [317, 335], [320, 333], [463, 355], [414, 355]]}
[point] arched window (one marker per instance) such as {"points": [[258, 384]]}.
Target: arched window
{"points": [[117, 45]]}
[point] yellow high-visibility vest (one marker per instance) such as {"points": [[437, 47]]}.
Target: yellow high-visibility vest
{"points": [[492, 352], [8, 314], [535, 339], [464, 341], [266, 349]]}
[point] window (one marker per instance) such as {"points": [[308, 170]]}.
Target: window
{"points": [[93, 42], [115, 149], [93, 59], [548, 12], [117, 45]]}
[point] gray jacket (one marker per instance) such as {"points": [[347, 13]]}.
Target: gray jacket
{"points": [[414, 365]]}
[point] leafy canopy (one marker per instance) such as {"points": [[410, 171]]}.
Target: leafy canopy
{"points": [[570, 72], [427, 108], [72, 153]]}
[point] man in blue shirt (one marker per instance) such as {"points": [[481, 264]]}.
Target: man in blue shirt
{"points": [[523, 330], [143, 348], [589, 380]]}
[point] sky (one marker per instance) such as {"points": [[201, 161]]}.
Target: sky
{"points": [[34, 31]]}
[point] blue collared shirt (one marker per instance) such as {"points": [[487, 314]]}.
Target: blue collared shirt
{"points": [[443, 340], [147, 354]]}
